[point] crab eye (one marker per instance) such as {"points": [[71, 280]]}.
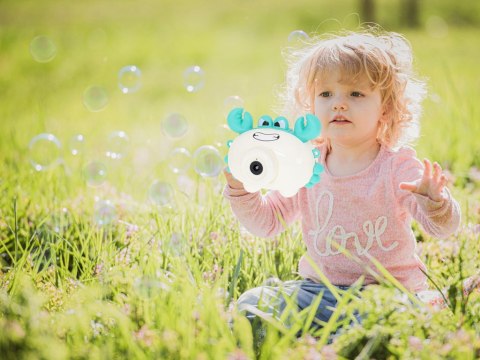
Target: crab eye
{"points": [[281, 123], [265, 120]]}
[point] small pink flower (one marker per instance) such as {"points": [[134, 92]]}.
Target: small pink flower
{"points": [[238, 354], [415, 343]]}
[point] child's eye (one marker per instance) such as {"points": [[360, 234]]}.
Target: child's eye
{"points": [[356, 94], [325, 94]]}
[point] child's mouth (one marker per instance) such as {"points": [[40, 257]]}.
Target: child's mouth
{"points": [[340, 121]]}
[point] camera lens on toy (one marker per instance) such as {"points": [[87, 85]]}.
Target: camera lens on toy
{"points": [[256, 167]]}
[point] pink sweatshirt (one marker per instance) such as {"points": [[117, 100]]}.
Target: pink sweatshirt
{"points": [[365, 213]]}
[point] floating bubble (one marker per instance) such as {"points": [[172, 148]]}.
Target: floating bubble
{"points": [[95, 98], [436, 27], [104, 213], [207, 161], [129, 79], [222, 134], [177, 243], [44, 151], [186, 185], [95, 173], [174, 125], [298, 36], [42, 49], [179, 160], [148, 287], [118, 145], [161, 193], [193, 78], [233, 102], [77, 144]]}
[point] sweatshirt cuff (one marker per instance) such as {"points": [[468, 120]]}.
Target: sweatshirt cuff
{"points": [[231, 193], [434, 208]]}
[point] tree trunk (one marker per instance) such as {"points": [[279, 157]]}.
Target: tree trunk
{"points": [[410, 13], [367, 10]]}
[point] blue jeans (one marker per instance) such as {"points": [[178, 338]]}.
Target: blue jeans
{"points": [[272, 301]]}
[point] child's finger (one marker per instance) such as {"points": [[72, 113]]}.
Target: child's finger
{"points": [[409, 186], [437, 172], [427, 173], [443, 180]]}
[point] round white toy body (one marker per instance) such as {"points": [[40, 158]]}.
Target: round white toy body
{"points": [[267, 158]]}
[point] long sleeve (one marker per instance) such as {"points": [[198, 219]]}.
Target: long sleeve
{"points": [[438, 218], [263, 216]]}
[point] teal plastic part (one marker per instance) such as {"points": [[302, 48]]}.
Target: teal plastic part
{"points": [[307, 127], [239, 121]]}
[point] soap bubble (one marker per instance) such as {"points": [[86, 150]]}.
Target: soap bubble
{"points": [[160, 193], [95, 98], [177, 244], [118, 145], [207, 161], [42, 49], [129, 79], [44, 151], [193, 78], [148, 287], [77, 144], [222, 135], [436, 27], [233, 102], [95, 173], [179, 160], [298, 36], [174, 125], [104, 212]]}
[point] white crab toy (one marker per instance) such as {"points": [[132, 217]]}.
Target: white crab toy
{"points": [[271, 156]]}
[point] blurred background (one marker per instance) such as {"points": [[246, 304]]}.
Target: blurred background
{"points": [[124, 83]]}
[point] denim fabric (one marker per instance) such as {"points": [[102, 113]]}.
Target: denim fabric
{"points": [[269, 301]]}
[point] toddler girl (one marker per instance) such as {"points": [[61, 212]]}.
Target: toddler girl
{"points": [[362, 88]]}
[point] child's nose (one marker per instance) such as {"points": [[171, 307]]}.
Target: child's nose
{"points": [[339, 104]]}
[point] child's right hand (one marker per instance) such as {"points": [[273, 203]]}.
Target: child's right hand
{"points": [[232, 182]]}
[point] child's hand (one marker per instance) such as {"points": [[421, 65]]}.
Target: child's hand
{"points": [[232, 182], [430, 185]]}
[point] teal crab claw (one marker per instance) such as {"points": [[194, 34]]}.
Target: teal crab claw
{"points": [[307, 128], [227, 169], [317, 169], [239, 121]]}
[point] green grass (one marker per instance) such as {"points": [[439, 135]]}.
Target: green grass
{"points": [[159, 282]]}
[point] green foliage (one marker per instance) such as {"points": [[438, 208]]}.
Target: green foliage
{"points": [[161, 282]]}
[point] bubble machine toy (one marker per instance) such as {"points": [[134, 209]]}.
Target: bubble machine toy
{"points": [[271, 156]]}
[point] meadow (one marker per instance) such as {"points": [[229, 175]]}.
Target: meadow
{"points": [[126, 258]]}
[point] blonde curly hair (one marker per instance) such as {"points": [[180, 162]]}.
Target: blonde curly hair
{"points": [[385, 58]]}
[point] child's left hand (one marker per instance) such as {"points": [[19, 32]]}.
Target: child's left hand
{"points": [[431, 184]]}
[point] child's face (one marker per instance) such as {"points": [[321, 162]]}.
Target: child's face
{"points": [[349, 112]]}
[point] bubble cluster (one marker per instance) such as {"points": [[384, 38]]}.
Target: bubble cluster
{"points": [[161, 193], [193, 78], [76, 144], [43, 49], [207, 161], [104, 213], [95, 173], [129, 79], [118, 145], [95, 98], [179, 160], [174, 125], [44, 151]]}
